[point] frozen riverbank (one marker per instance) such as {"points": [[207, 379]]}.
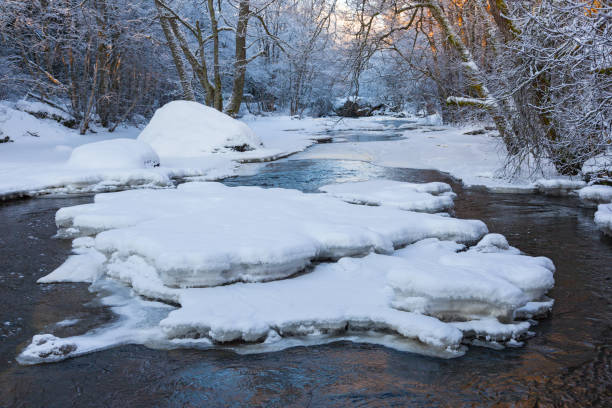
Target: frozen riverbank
{"points": [[37, 161]]}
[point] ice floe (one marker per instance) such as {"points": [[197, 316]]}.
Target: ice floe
{"points": [[423, 197], [205, 234], [431, 297]]}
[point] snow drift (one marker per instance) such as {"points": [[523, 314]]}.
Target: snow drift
{"points": [[189, 129]]}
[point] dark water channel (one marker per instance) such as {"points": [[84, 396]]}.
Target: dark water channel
{"points": [[566, 364]]}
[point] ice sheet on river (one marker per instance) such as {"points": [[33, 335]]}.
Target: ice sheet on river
{"points": [[359, 299], [422, 197], [206, 234]]}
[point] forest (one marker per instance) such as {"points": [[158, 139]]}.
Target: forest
{"points": [[539, 71]]}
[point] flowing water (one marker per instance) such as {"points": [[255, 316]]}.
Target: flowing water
{"points": [[567, 363]]}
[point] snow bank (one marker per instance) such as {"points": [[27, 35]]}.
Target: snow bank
{"points": [[593, 195], [205, 234], [114, 154], [477, 160], [188, 129], [558, 186], [603, 218], [426, 197]]}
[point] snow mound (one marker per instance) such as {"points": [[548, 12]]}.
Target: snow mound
{"points": [[593, 195], [114, 154], [206, 234], [189, 129], [427, 197], [432, 278], [603, 218], [334, 298]]}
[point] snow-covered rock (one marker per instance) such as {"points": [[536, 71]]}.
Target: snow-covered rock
{"points": [[205, 234], [189, 129], [114, 154], [426, 197], [603, 218], [594, 195]]}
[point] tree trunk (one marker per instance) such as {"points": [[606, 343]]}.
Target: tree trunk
{"points": [[176, 56], [240, 61]]}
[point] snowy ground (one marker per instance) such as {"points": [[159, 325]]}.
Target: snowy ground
{"points": [[227, 257], [37, 162], [477, 160], [38, 159]]}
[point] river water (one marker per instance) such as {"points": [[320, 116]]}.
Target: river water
{"points": [[567, 363]]}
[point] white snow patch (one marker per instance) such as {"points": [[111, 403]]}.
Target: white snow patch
{"points": [[426, 197], [477, 160], [114, 154]]}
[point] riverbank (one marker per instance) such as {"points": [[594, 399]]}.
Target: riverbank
{"points": [[35, 162]]}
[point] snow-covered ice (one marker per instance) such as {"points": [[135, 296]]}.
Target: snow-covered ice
{"points": [[596, 194], [423, 197], [429, 297], [486, 281], [205, 234], [603, 218], [558, 185], [354, 299]]}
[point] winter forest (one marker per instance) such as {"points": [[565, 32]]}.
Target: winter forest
{"points": [[540, 70], [305, 202]]}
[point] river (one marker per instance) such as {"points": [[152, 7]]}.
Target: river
{"points": [[567, 363]]}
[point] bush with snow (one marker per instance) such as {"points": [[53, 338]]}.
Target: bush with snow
{"points": [[189, 129], [114, 154]]}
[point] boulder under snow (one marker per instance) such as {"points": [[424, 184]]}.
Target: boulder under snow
{"points": [[190, 129]]}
